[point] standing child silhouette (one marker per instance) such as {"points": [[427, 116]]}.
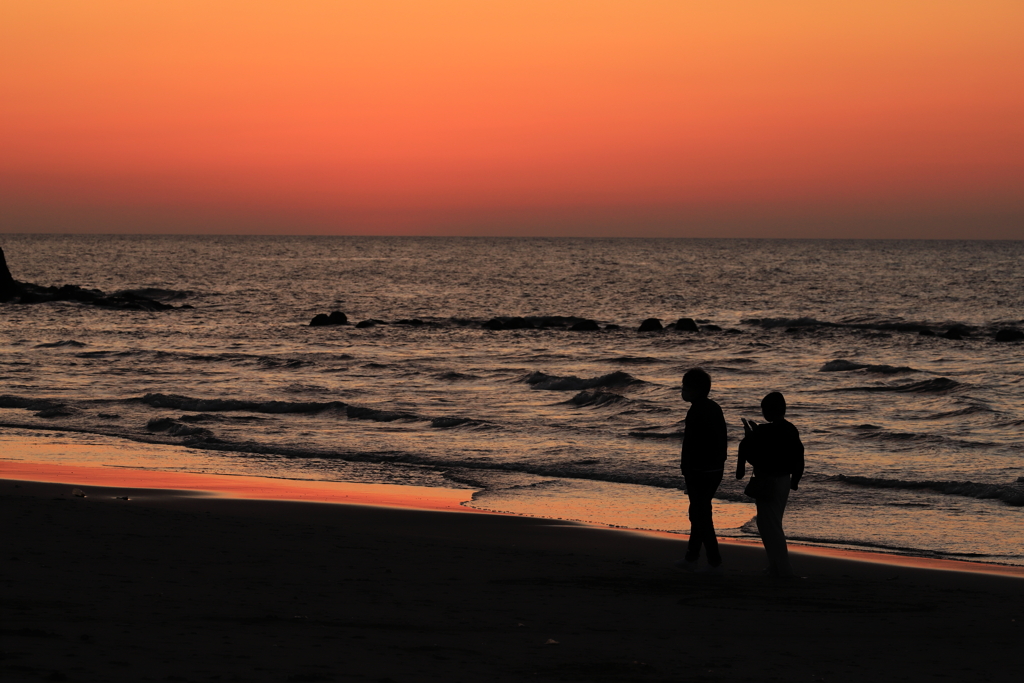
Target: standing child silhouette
{"points": [[702, 464], [777, 454]]}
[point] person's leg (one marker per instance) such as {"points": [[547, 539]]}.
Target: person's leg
{"points": [[763, 530], [695, 512], [701, 488], [770, 509]]}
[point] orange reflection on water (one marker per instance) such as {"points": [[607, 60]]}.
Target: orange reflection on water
{"points": [[392, 495]]}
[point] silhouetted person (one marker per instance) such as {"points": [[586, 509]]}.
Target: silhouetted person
{"points": [[777, 454], [702, 464]]}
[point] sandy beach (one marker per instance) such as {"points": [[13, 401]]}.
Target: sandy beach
{"points": [[148, 578]]}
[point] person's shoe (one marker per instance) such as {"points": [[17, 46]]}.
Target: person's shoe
{"points": [[712, 570], [685, 565]]}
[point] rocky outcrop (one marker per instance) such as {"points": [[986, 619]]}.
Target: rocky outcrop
{"points": [[650, 325], [28, 293], [686, 325], [1009, 335], [125, 301], [8, 286]]}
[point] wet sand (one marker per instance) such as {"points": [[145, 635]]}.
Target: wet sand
{"points": [[179, 585]]}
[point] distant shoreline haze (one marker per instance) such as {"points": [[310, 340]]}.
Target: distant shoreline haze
{"points": [[89, 222]]}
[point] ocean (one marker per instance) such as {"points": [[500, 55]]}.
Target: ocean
{"points": [[910, 410]]}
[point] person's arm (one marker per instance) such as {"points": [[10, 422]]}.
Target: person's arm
{"points": [[688, 437], [741, 456], [799, 458]]}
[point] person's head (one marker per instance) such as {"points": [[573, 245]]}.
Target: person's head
{"points": [[696, 384], [773, 406]]}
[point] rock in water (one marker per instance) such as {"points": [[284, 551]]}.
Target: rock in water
{"points": [[585, 326], [502, 323], [28, 293], [8, 287], [1009, 334], [651, 325], [686, 325], [335, 318], [518, 323]]}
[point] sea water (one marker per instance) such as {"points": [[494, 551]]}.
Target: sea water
{"points": [[913, 439]]}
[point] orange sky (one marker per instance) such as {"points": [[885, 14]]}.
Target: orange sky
{"points": [[596, 117]]}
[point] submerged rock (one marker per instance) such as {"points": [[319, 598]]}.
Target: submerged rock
{"points": [[516, 323], [585, 326], [335, 318], [160, 424], [841, 365], [55, 411], [1009, 335]]}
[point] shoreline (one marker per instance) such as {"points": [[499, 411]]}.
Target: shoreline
{"points": [[132, 482], [175, 584]]}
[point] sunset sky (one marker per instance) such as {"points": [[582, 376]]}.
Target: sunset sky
{"points": [[492, 117]]}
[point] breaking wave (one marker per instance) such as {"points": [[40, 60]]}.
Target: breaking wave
{"points": [[453, 376], [972, 409], [1011, 494], [219, 405], [879, 325], [545, 382], [841, 365], [59, 344], [629, 360], [41, 404], [884, 435], [642, 434], [451, 422], [596, 398], [939, 384], [155, 293], [271, 363]]}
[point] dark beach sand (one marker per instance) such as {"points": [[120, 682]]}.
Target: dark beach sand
{"points": [[175, 586]]}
